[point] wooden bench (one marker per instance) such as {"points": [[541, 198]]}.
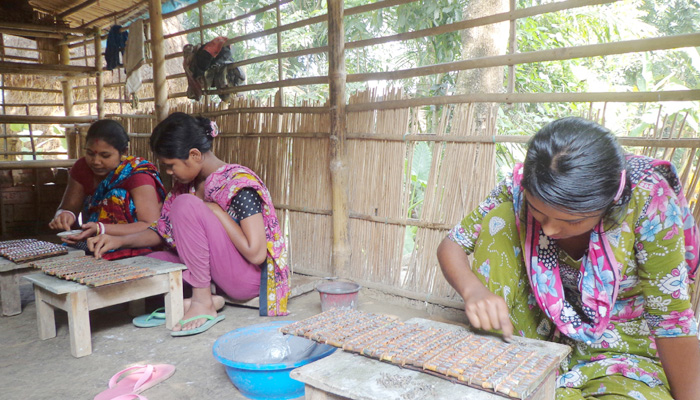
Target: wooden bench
{"points": [[78, 300], [10, 273]]}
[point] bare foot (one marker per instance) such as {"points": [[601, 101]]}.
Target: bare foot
{"points": [[201, 303], [218, 301]]}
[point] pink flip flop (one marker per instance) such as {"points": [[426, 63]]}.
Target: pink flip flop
{"points": [[141, 378]]}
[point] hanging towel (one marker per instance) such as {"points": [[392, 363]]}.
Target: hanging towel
{"points": [[116, 40], [134, 57]]}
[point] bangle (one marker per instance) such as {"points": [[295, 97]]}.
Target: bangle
{"points": [[61, 211], [100, 228]]}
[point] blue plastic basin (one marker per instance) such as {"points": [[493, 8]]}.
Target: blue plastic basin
{"points": [[265, 380]]}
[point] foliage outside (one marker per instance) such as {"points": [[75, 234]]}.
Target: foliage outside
{"points": [[624, 20]]}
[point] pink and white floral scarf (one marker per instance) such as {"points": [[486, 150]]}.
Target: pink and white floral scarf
{"points": [[600, 271]]}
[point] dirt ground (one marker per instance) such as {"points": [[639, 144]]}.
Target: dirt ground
{"points": [[34, 369]]}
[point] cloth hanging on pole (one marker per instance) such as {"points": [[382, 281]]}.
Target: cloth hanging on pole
{"points": [[134, 58], [208, 66], [116, 41]]}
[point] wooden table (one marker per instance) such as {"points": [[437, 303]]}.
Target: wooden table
{"points": [[345, 375], [10, 272], [78, 300]]}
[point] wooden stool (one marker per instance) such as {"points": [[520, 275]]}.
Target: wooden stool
{"points": [[9, 281], [78, 300]]}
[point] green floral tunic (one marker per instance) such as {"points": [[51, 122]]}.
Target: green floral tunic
{"points": [[656, 246]]}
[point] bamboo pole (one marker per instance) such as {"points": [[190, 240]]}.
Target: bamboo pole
{"points": [[227, 21], [564, 53], [43, 119], [98, 76], [160, 84], [638, 97], [512, 42], [36, 164], [481, 21], [21, 89], [8, 67], [68, 101], [279, 96], [340, 258], [43, 28]]}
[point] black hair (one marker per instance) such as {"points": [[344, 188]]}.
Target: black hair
{"points": [[111, 132], [574, 165], [176, 135]]}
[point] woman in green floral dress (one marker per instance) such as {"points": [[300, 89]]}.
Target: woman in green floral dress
{"points": [[593, 248]]}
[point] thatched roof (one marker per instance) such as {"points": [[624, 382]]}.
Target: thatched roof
{"points": [[72, 13]]}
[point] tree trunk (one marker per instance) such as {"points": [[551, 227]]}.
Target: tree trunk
{"points": [[482, 41]]}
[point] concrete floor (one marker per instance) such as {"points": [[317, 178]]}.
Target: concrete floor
{"points": [[34, 369]]}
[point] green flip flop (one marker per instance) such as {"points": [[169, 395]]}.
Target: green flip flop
{"points": [[211, 321], [156, 318]]}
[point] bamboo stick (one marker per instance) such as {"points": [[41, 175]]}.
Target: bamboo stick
{"points": [[160, 84], [564, 53], [338, 166], [639, 97]]}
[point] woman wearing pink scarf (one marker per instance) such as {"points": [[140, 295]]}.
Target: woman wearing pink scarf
{"points": [[590, 247], [218, 220]]}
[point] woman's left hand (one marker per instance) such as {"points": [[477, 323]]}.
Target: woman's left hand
{"points": [[89, 230]]}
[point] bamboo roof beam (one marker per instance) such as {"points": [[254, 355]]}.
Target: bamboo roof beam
{"points": [[44, 28], [627, 97], [75, 71], [38, 34], [77, 8], [564, 53]]}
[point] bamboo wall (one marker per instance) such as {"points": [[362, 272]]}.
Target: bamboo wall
{"points": [[290, 145]]}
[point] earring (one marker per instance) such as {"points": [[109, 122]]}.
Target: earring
{"points": [[123, 157]]}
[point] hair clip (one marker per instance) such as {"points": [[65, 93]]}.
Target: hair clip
{"points": [[214, 129], [621, 189]]}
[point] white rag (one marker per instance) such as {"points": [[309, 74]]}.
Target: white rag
{"points": [[134, 57]]}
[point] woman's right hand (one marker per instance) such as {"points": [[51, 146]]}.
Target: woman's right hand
{"points": [[62, 221], [487, 311], [101, 244]]}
